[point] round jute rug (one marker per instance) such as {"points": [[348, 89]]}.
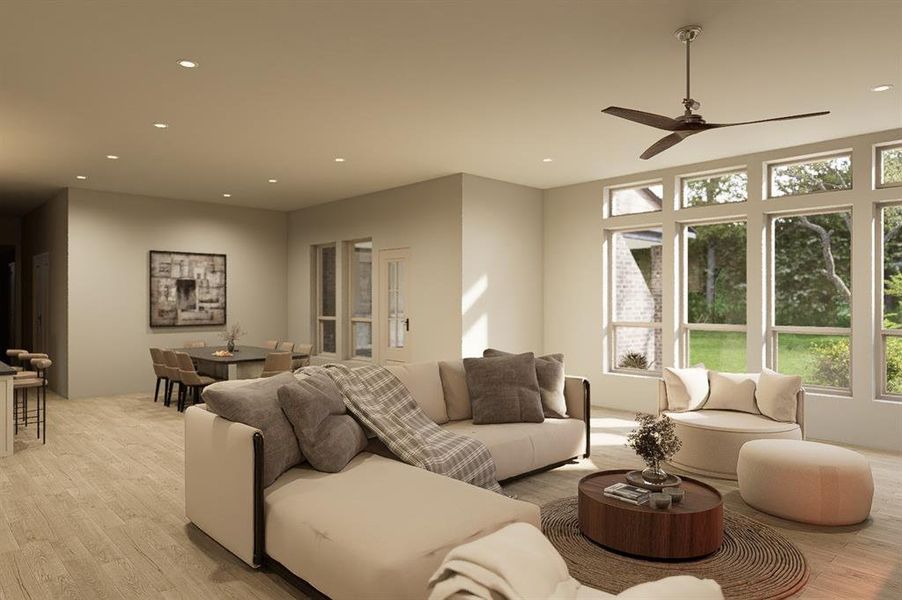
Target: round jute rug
{"points": [[754, 563]]}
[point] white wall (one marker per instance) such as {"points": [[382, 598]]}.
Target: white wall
{"points": [[575, 303], [502, 302], [425, 217], [110, 237]]}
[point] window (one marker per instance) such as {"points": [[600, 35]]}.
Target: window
{"points": [[888, 165], [718, 188], [890, 295], [360, 299], [325, 279], [636, 199], [811, 176], [635, 324], [812, 291], [714, 296]]}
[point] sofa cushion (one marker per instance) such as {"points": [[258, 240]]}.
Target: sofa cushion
{"points": [[255, 402], [328, 436], [550, 374], [732, 391], [519, 448], [454, 386], [385, 542], [424, 383], [687, 389], [728, 420], [777, 395], [504, 389]]}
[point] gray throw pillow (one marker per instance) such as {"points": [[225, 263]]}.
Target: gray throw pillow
{"points": [[256, 404], [504, 389], [328, 435], [550, 374]]}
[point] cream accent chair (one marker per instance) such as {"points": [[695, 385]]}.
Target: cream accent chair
{"points": [[275, 363], [712, 438]]}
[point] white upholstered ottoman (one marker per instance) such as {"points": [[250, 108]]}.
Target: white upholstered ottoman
{"points": [[806, 481]]}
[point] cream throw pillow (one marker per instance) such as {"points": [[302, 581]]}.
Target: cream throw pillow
{"points": [[732, 391], [777, 395], [687, 389]]}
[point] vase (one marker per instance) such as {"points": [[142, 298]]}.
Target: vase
{"points": [[653, 473], [230, 346]]}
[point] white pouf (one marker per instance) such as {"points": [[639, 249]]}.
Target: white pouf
{"points": [[806, 481]]}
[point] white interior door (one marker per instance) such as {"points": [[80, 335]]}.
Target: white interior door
{"points": [[41, 304], [394, 308]]}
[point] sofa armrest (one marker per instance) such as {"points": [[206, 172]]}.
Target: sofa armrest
{"points": [[578, 398], [800, 411], [223, 482], [662, 396]]}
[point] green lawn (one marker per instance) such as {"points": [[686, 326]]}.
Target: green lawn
{"points": [[725, 351]]}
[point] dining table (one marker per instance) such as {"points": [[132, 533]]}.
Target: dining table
{"points": [[245, 362]]}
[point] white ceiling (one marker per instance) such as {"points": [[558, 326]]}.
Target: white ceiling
{"points": [[407, 91]]}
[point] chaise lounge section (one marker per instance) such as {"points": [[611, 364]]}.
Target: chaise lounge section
{"points": [[380, 527]]}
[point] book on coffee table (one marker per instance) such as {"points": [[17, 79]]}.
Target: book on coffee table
{"points": [[627, 493]]}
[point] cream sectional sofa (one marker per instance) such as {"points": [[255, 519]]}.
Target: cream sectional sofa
{"points": [[380, 527]]}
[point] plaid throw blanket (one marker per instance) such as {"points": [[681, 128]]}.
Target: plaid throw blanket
{"points": [[384, 405]]}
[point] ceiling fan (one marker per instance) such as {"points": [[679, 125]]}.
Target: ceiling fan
{"points": [[688, 123]]}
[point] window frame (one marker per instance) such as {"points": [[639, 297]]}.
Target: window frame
{"points": [[685, 326], [878, 170], [773, 331], [682, 179], [321, 319], [611, 190], [351, 287], [881, 333], [612, 323], [771, 165]]}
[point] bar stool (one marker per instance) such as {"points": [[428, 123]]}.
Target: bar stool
{"points": [[13, 355], [193, 383], [160, 370], [39, 384], [275, 363], [172, 368], [26, 359]]}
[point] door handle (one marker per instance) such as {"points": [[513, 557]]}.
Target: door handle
{"points": [[407, 324]]}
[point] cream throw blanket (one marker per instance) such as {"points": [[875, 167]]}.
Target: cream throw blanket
{"points": [[519, 563]]}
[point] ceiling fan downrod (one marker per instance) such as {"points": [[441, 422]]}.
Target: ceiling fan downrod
{"points": [[687, 35]]}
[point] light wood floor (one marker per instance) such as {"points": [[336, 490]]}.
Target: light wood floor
{"points": [[98, 513]]}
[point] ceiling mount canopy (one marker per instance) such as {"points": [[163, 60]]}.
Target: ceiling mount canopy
{"points": [[689, 123]]}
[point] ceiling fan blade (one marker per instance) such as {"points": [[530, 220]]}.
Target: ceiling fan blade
{"points": [[666, 142], [645, 118], [804, 116]]}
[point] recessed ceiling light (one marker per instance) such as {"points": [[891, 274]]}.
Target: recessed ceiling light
{"points": [[339, 159], [273, 180], [227, 195], [161, 125], [188, 64], [546, 160], [882, 87], [112, 156], [82, 177]]}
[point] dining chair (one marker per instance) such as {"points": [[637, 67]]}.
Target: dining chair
{"points": [[270, 344], [193, 382], [304, 350], [196, 344], [21, 387], [275, 363], [160, 370], [172, 368]]}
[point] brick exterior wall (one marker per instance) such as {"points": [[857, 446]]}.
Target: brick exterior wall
{"points": [[637, 299]]}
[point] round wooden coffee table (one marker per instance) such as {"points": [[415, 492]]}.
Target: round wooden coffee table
{"points": [[690, 529]]}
